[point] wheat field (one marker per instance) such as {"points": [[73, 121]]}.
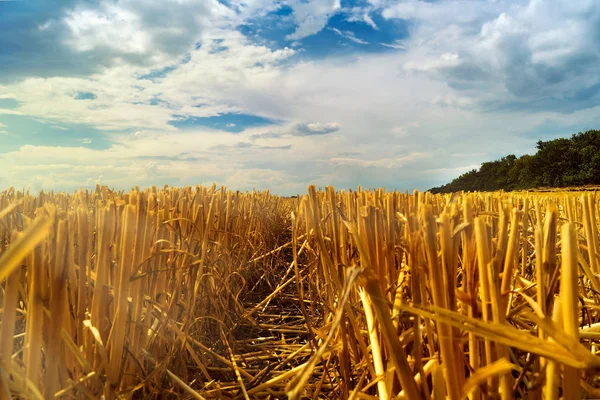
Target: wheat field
{"points": [[206, 293]]}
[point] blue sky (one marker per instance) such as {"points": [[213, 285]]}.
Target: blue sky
{"points": [[278, 95]]}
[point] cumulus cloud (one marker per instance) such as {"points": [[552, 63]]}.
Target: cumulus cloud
{"points": [[144, 32], [442, 61], [111, 26], [315, 128], [80, 37], [529, 54], [362, 14], [227, 81], [312, 16]]}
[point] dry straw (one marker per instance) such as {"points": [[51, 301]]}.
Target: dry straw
{"points": [[207, 293]]}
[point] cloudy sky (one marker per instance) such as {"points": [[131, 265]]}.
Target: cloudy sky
{"points": [[278, 95]]}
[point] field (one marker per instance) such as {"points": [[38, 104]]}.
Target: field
{"points": [[202, 293]]}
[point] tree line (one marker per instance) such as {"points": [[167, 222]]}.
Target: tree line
{"points": [[559, 162]]}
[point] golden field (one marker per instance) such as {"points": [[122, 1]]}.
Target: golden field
{"points": [[205, 293]]}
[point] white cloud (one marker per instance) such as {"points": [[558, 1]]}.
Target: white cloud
{"points": [[398, 44], [312, 16], [405, 112], [524, 51], [348, 35], [395, 119], [452, 100], [144, 32], [214, 80], [316, 128], [113, 108], [393, 162], [111, 26], [151, 159], [444, 12], [362, 14], [442, 61]]}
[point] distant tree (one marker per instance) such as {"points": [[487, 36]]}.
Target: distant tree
{"points": [[559, 162]]}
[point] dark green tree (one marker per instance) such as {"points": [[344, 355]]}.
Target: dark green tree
{"points": [[559, 162]]}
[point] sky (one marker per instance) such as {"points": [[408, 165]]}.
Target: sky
{"points": [[278, 95]]}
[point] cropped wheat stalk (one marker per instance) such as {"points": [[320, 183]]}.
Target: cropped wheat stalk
{"points": [[202, 293]]}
